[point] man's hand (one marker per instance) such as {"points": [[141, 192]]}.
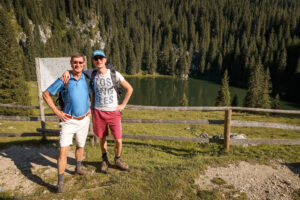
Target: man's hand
{"points": [[90, 113], [120, 107], [129, 91], [61, 115], [65, 77]]}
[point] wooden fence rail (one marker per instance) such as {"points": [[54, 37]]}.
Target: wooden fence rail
{"points": [[137, 107], [227, 121], [235, 123]]}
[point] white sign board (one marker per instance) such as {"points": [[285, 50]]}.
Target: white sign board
{"points": [[47, 71], [52, 68]]}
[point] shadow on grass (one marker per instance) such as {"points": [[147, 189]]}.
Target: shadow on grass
{"points": [[26, 154], [183, 151], [97, 164]]}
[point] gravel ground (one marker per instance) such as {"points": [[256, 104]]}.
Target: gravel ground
{"points": [[24, 169], [261, 182]]}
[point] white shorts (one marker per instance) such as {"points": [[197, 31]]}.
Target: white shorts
{"points": [[71, 127]]}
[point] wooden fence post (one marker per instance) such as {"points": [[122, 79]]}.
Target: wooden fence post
{"points": [[42, 108], [227, 127]]}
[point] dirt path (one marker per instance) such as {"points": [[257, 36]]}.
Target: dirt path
{"points": [[26, 169]]}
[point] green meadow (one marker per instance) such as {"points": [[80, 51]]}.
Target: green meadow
{"points": [[159, 169]]}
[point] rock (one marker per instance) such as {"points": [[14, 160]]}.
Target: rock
{"points": [[203, 135], [238, 136], [187, 128], [287, 182], [218, 136], [1, 189]]}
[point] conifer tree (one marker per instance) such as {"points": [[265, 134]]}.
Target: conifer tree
{"points": [[131, 62], [223, 97], [276, 102], [235, 101], [172, 62], [153, 65], [256, 87], [115, 53], [184, 101], [181, 65], [13, 88], [267, 88]]}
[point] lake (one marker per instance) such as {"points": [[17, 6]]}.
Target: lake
{"points": [[169, 91]]}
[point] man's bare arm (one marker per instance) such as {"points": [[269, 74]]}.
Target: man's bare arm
{"points": [[128, 94], [60, 114]]}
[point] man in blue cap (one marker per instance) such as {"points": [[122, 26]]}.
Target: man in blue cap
{"points": [[107, 110]]}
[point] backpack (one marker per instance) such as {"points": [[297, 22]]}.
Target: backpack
{"points": [[116, 84], [60, 99]]}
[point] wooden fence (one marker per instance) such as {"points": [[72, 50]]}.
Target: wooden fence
{"points": [[227, 119]]}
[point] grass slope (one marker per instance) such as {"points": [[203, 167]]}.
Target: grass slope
{"points": [[161, 170]]}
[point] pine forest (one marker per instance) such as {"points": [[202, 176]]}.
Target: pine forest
{"points": [[257, 42]]}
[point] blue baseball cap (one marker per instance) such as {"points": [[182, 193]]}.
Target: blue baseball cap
{"points": [[98, 53]]}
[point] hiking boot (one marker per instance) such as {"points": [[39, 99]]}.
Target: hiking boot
{"points": [[104, 166], [81, 171], [121, 165], [60, 187]]}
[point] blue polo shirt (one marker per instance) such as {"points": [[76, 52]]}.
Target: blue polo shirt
{"points": [[78, 94]]}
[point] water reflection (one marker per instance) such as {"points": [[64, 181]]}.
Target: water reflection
{"points": [[169, 91]]}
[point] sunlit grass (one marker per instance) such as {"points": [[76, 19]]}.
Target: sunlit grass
{"points": [[211, 115], [24, 126], [162, 170]]}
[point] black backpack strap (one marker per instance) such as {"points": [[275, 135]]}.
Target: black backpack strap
{"points": [[61, 97], [68, 95], [94, 73], [90, 82], [115, 82]]}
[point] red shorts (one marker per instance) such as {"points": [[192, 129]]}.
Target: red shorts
{"points": [[103, 119]]}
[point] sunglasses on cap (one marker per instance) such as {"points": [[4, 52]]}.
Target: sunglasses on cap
{"points": [[98, 58]]}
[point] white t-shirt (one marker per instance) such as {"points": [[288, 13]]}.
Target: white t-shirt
{"points": [[105, 95]]}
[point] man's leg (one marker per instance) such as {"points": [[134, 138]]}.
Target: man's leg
{"points": [[103, 145], [79, 170], [105, 163], [118, 147], [81, 136], [115, 126], [62, 159], [101, 131], [61, 166], [79, 153]]}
